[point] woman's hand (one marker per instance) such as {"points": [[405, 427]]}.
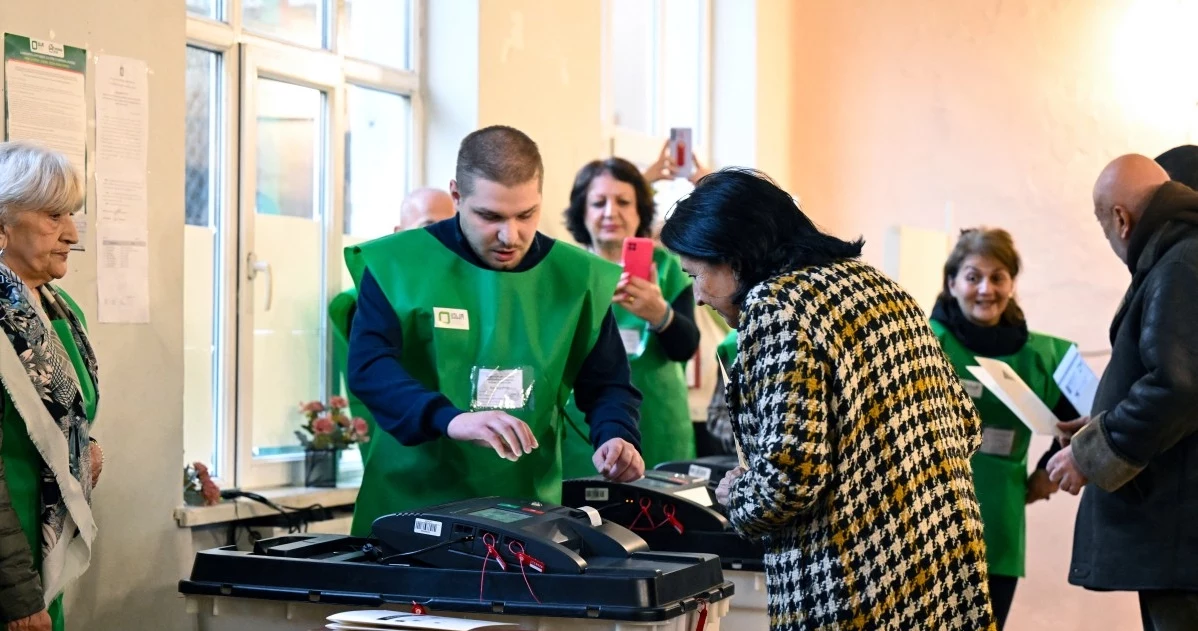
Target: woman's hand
{"points": [[1039, 487], [97, 461], [39, 621], [725, 487], [698, 172], [663, 168], [642, 297]]}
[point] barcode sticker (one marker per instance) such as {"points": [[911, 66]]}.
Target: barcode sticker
{"points": [[596, 494], [427, 527], [696, 471]]}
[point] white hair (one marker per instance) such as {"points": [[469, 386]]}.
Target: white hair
{"points": [[33, 177]]}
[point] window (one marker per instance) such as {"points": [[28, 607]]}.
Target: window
{"points": [[657, 70], [299, 143]]}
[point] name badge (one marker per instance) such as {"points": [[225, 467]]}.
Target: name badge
{"points": [[973, 388], [632, 341], [451, 319], [997, 442], [500, 389]]}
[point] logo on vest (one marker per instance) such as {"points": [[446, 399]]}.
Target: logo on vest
{"points": [[451, 319]]}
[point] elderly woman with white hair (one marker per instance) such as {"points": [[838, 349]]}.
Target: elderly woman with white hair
{"points": [[48, 462]]}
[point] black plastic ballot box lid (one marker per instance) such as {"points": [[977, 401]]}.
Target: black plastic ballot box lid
{"points": [[617, 581], [672, 512]]}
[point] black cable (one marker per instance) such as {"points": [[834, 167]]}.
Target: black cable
{"points": [[295, 521], [436, 546]]}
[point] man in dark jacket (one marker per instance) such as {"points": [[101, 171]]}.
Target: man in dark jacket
{"points": [[1137, 525]]}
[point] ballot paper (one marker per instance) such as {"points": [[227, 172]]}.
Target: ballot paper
{"points": [[1077, 381], [1006, 384], [376, 619]]}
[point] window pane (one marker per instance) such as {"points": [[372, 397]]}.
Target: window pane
{"points": [[378, 149], [288, 117], [633, 40], [289, 234], [380, 31], [204, 8], [299, 21], [681, 66], [202, 438]]}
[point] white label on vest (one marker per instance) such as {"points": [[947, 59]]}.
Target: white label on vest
{"points": [[427, 527], [451, 319], [500, 389], [696, 471], [997, 442], [596, 494], [632, 341], [973, 388]]}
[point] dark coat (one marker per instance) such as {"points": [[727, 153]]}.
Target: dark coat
{"points": [[1137, 526]]}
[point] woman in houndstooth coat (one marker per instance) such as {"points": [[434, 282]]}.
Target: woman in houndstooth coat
{"points": [[853, 425]]}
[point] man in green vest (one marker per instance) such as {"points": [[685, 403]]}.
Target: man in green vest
{"points": [[470, 335], [421, 208]]}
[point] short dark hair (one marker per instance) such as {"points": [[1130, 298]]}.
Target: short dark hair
{"points": [[504, 155], [1181, 163], [622, 170], [739, 217]]}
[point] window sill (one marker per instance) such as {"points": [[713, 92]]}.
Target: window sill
{"points": [[344, 494]]}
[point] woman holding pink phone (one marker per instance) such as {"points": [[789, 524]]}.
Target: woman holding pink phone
{"points": [[611, 213]]}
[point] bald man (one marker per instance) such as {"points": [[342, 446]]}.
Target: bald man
{"points": [[421, 208], [1137, 455], [424, 207]]}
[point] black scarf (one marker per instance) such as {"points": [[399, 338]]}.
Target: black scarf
{"points": [[988, 341]]}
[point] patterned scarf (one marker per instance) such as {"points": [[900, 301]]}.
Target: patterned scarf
{"points": [[48, 367]]}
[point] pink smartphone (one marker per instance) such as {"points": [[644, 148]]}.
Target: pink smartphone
{"points": [[638, 256]]}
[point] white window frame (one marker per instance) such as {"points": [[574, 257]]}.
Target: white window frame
{"points": [[244, 56], [634, 144]]}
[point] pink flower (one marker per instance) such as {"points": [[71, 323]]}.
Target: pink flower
{"points": [[360, 426], [338, 402], [312, 406], [322, 425]]}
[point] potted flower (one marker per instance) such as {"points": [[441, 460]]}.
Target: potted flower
{"points": [[328, 430], [198, 487]]}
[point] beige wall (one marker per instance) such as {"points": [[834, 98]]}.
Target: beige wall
{"points": [[140, 554], [539, 65], [1003, 113]]}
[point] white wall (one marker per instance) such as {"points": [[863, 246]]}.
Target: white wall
{"points": [[1005, 112], [140, 554]]}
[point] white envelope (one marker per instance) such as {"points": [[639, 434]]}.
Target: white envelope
{"points": [[376, 619], [1077, 381], [1006, 384]]}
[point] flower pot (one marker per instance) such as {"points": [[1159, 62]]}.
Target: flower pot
{"points": [[320, 467]]}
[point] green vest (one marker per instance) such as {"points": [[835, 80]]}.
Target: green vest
{"points": [[340, 310], [1000, 477], [521, 337], [23, 463], [726, 350], [667, 432]]}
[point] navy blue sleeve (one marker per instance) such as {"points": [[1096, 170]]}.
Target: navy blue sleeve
{"points": [[604, 391], [400, 404]]}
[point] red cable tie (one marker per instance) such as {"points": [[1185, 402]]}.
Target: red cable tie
{"points": [[418, 608], [702, 625], [669, 511], [645, 503]]}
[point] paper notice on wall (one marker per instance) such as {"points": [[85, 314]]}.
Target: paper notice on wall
{"points": [[122, 200], [1077, 381], [45, 102], [1007, 385]]}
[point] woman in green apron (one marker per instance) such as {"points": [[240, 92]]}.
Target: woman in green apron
{"points": [[611, 201], [49, 394], [976, 316]]}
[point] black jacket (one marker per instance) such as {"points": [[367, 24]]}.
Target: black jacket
{"points": [[1137, 526]]}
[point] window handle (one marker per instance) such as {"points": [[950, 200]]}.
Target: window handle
{"points": [[254, 267]]}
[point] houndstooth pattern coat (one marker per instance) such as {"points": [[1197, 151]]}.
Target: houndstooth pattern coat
{"points": [[857, 434]]}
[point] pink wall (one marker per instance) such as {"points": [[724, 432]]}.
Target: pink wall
{"points": [[1003, 111]]}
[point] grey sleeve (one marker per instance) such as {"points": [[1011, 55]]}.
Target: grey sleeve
{"points": [[719, 424], [20, 584]]}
